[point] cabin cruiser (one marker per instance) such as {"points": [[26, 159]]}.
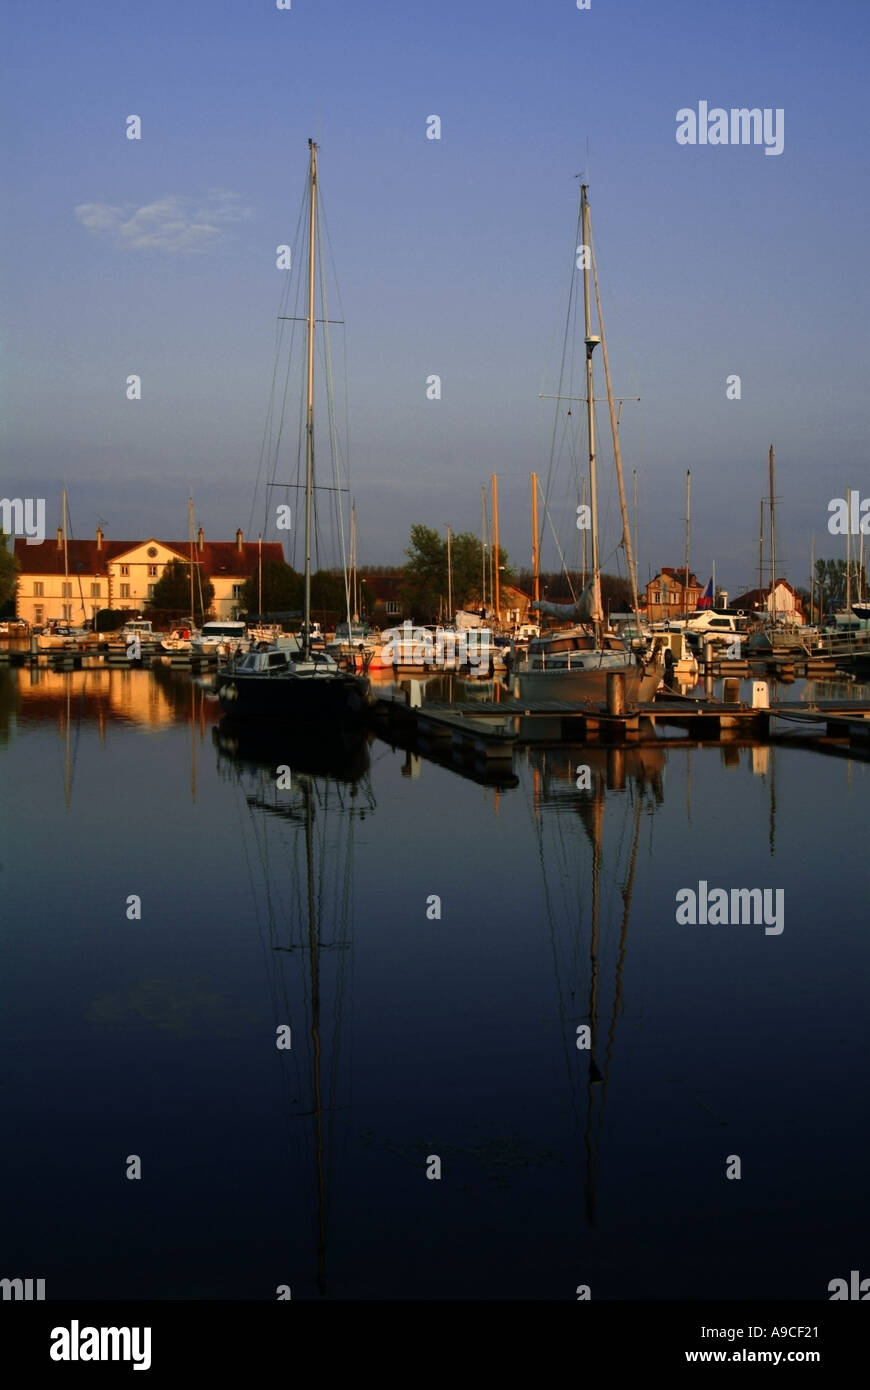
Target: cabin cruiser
{"points": [[720, 626], [135, 628], [433, 647], [220, 638]]}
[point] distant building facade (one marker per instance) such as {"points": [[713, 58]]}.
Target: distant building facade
{"points": [[669, 594], [782, 600], [72, 581], [380, 600]]}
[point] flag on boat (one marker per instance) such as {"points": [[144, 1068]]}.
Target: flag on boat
{"points": [[706, 599]]}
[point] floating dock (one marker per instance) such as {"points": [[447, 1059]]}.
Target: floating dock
{"points": [[78, 659], [490, 730]]}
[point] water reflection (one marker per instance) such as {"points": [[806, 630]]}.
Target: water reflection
{"points": [[299, 799], [587, 901], [103, 694]]}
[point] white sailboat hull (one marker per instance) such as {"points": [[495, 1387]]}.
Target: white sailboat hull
{"points": [[585, 680]]}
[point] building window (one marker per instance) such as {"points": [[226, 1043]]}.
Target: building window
{"points": [[39, 589], [151, 588], [125, 591], [392, 607], [237, 591], [95, 591], [37, 613], [152, 571], [125, 570], [66, 590]]}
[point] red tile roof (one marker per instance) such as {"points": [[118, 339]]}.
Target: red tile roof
{"points": [[679, 574], [216, 557]]}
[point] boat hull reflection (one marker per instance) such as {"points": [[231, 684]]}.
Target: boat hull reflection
{"points": [[342, 753]]}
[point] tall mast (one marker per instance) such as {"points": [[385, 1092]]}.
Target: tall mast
{"points": [[309, 421], [65, 559], [614, 431], [190, 538], [849, 554], [591, 344], [449, 581], [772, 538], [636, 530], [536, 554], [353, 565], [761, 547], [496, 594], [584, 565], [688, 533], [484, 548], [260, 578], [812, 575]]}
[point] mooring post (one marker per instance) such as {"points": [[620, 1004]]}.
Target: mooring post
{"points": [[615, 692]]}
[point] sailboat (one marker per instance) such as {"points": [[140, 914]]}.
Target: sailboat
{"points": [[60, 634], [307, 686], [573, 662]]}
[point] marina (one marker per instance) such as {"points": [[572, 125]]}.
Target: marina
{"points": [[558, 915], [435, 678]]}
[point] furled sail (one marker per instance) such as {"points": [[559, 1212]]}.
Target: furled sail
{"points": [[587, 609]]}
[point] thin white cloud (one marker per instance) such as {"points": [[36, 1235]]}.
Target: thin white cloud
{"points": [[171, 223]]}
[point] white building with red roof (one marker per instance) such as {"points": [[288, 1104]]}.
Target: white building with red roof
{"points": [[73, 580]]}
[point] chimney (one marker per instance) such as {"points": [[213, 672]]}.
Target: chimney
{"points": [[200, 539], [239, 541], [60, 538], [99, 538]]}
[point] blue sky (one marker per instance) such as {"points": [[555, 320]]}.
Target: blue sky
{"points": [[453, 257]]}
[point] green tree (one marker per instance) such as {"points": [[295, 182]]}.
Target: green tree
{"points": [[424, 577], [328, 592], [831, 583], [425, 583], [616, 595], [282, 590], [172, 591], [8, 572]]}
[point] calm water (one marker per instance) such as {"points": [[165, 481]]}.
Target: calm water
{"points": [[413, 1036]]}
